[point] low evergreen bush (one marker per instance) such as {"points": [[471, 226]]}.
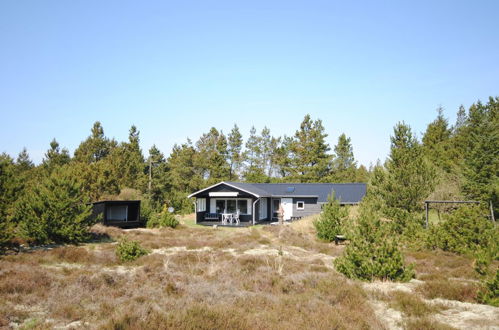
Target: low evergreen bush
{"points": [[466, 231], [163, 219], [331, 220], [490, 293], [130, 250], [373, 252]]}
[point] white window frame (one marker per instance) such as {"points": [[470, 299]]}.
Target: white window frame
{"points": [[201, 204], [214, 203], [300, 208]]}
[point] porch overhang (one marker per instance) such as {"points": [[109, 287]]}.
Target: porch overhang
{"points": [[223, 194]]}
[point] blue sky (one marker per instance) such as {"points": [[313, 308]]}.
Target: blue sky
{"points": [[174, 69]]}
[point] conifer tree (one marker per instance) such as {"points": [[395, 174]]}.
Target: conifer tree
{"points": [[254, 171], [481, 160], [373, 252], [310, 159], [7, 197], [282, 160], [344, 167], [95, 147], [234, 148], [331, 220], [23, 162], [158, 183], [436, 142], [183, 176], [408, 179], [212, 156], [129, 162], [55, 210], [55, 156]]}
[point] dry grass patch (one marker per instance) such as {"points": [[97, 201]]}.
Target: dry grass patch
{"points": [[449, 289], [411, 304], [446, 264], [425, 323]]}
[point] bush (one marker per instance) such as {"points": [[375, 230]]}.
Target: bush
{"points": [[130, 250], [164, 219], [466, 231], [490, 293], [330, 222], [373, 252], [55, 210]]}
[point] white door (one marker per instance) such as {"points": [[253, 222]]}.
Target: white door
{"points": [[287, 206], [263, 208]]}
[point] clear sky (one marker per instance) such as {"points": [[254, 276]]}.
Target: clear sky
{"points": [[176, 68]]}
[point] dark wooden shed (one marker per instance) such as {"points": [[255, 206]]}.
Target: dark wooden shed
{"points": [[124, 214]]}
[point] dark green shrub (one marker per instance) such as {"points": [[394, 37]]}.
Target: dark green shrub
{"points": [[330, 222], [164, 219], [373, 252], [130, 250], [55, 210], [490, 293], [465, 231]]}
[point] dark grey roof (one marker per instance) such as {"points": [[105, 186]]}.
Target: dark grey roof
{"points": [[348, 193]]}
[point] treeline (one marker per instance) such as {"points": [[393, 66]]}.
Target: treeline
{"points": [[451, 161], [105, 167]]}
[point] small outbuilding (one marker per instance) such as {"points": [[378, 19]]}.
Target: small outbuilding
{"points": [[124, 214]]}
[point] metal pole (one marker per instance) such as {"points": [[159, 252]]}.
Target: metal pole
{"points": [[426, 209]]}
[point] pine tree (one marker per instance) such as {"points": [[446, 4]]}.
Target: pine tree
{"points": [[55, 157], [7, 198], [234, 147], [95, 147], [344, 167], [481, 159], [310, 159], [158, 183], [129, 163], [373, 252], [55, 210], [331, 220], [23, 162], [254, 171], [212, 156], [183, 176], [281, 158], [436, 142], [408, 179]]}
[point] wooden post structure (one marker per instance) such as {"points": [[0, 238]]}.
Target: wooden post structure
{"points": [[280, 215], [492, 212]]}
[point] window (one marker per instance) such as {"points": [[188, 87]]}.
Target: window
{"points": [[242, 205], [230, 205], [300, 205], [220, 206], [201, 205], [117, 212]]}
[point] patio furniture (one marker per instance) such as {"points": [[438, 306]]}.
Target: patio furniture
{"points": [[211, 216], [235, 217], [226, 217]]}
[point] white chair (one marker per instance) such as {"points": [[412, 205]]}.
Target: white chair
{"points": [[235, 217]]}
